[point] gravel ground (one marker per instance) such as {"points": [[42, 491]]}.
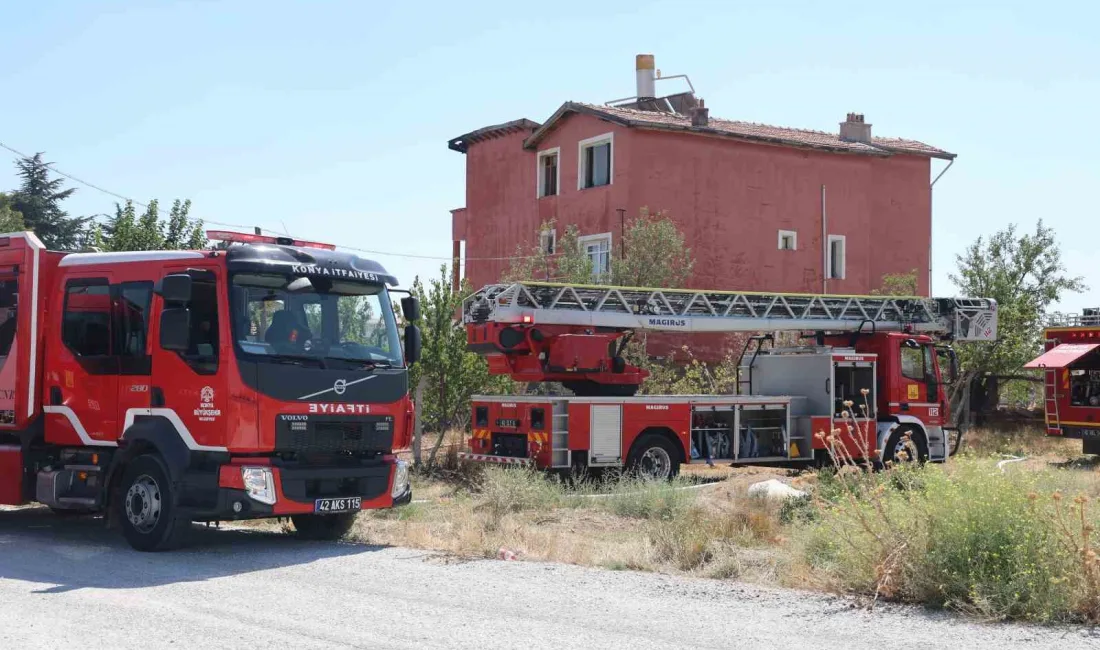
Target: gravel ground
{"points": [[64, 582]]}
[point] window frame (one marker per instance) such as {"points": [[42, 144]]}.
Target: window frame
{"points": [[793, 234], [205, 364], [923, 363], [585, 240], [131, 364], [93, 364], [604, 138], [832, 272], [540, 189]]}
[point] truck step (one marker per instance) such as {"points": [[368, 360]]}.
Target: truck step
{"points": [[85, 468], [77, 502]]}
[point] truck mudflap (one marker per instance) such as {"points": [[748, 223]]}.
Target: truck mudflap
{"points": [[487, 458], [248, 489]]}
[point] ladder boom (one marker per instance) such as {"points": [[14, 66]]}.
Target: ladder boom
{"points": [[685, 310]]}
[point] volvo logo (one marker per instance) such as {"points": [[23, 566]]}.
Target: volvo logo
{"points": [[339, 388]]}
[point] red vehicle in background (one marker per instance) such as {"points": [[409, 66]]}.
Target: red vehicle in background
{"points": [[872, 359], [164, 387], [1071, 378]]}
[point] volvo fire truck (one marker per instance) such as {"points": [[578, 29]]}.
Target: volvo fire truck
{"points": [[262, 379], [1071, 377], [870, 367]]}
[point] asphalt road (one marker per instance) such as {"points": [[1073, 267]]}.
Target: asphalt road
{"points": [[68, 583]]}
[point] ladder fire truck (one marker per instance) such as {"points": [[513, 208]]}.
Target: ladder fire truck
{"points": [[264, 379], [872, 359], [1071, 372]]}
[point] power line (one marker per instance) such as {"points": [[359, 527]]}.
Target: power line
{"points": [[238, 226]]}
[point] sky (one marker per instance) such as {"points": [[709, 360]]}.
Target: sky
{"points": [[330, 119]]}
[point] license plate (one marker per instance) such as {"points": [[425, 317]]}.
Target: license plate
{"points": [[347, 504], [1090, 433], [508, 424]]}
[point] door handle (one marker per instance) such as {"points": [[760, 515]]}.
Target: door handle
{"points": [[156, 397], [55, 395]]}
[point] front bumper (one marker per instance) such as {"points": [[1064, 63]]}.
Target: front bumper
{"points": [[297, 489]]}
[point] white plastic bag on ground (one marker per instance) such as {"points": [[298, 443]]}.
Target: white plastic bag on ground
{"points": [[774, 490]]}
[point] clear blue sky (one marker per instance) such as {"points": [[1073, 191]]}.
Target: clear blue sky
{"points": [[332, 117]]}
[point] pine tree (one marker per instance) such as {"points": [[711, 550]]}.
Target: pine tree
{"points": [[39, 200]]}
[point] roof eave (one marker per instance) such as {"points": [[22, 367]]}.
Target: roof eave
{"points": [[462, 143]]}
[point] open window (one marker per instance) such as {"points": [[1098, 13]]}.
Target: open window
{"points": [[549, 172], [596, 163], [837, 257]]}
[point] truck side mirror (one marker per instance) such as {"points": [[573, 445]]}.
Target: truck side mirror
{"points": [[174, 288], [410, 308], [175, 329], [412, 344]]}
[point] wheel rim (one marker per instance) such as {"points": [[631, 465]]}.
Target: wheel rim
{"points": [[143, 504], [655, 463], [905, 451]]}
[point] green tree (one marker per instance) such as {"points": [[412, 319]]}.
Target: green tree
{"points": [[447, 374], [652, 248], [1025, 275], [130, 231], [654, 254], [39, 199], [898, 284], [11, 220]]}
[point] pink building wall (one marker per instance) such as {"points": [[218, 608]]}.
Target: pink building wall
{"points": [[729, 198]]}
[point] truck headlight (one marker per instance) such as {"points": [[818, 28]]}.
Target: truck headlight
{"points": [[259, 483], [400, 479]]}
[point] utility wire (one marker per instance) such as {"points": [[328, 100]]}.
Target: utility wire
{"points": [[272, 231]]}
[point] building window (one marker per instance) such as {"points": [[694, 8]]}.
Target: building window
{"points": [[788, 240], [596, 161], [548, 241], [598, 250], [837, 263], [549, 172]]}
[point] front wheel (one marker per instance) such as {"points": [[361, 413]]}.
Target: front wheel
{"points": [[146, 506], [323, 527], [654, 458], [905, 445]]}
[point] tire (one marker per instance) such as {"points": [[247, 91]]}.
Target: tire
{"points": [[654, 457], [916, 446], [146, 506], [323, 527]]}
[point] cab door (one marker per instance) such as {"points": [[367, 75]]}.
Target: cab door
{"points": [[918, 391], [81, 392], [189, 387], [132, 298]]}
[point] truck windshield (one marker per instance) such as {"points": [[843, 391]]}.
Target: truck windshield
{"points": [[288, 317]]}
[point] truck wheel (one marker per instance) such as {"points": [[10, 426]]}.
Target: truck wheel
{"points": [[654, 458], [905, 445], [323, 527], [146, 504]]}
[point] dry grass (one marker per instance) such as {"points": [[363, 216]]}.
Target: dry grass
{"points": [[712, 531], [966, 535]]}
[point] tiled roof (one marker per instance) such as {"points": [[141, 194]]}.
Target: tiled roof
{"points": [[749, 131]]}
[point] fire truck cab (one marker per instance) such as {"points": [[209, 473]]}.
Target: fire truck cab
{"points": [[265, 379]]}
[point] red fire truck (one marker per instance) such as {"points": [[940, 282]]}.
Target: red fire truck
{"points": [[264, 379], [874, 359], [1071, 385]]}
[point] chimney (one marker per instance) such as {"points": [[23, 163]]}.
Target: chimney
{"points": [[646, 75], [854, 129], [700, 115]]}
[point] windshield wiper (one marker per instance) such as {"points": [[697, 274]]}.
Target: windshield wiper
{"points": [[297, 359]]}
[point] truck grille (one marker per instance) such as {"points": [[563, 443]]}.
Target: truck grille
{"points": [[337, 435]]}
